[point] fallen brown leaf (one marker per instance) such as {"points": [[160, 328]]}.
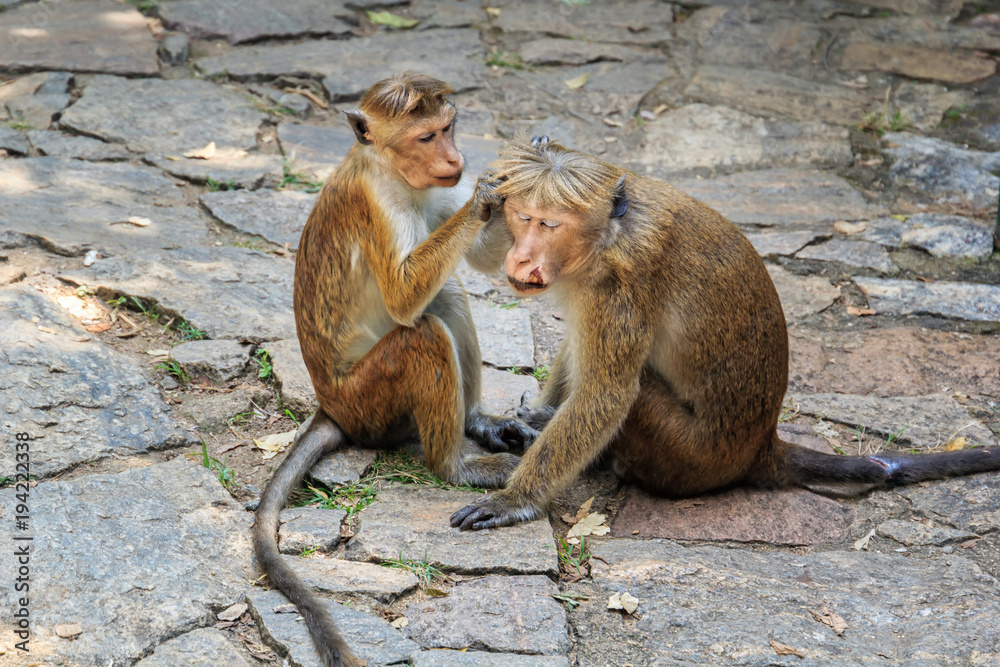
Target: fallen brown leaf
{"points": [[785, 649], [98, 328], [848, 228], [206, 153], [233, 612], [859, 312], [829, 619], [969, 544], [230, 447], [956, 444]]}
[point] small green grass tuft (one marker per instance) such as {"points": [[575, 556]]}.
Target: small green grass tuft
{"points": [[541, 373], [225, 474], [401, 467], [263, 360], [351, 498], [574, 559], [171, 367], [298, 180], [189, 331], [425, 572], [504, 59]]}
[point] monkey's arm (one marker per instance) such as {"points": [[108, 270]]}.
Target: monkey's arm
{"points": [[409, 282], [610, 354], [487, 253], [539, 413]]}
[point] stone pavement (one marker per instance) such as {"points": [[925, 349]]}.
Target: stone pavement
{"points": [[145, 309]]}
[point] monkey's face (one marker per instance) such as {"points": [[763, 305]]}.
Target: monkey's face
{"points": [[547, 244], [425, 154]]}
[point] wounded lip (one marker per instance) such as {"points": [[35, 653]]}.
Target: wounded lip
{"points": [[522, 286]]}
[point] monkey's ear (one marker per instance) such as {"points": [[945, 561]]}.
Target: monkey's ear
{"points": [[359, 124], [619, 205], [539, 141]]}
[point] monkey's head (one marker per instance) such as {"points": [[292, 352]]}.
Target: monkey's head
{"points": [[408, 121], [561, 208]]}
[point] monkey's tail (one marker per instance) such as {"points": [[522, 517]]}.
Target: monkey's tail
{"points": [[318, 436], [801, 465]]}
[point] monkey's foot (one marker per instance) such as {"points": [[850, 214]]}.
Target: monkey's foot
{"points": [[497, 509], [497, 434], [536, 418]]}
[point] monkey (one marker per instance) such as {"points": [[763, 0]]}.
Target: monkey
{"points": [[675, 361], [385, 328]]}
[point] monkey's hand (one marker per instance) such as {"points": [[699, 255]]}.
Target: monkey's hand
{"points": [[499, 434], [486, 200], [502, 508]]}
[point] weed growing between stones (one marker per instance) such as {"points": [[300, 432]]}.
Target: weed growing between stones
{"points": [[225, 474], [424, 571]]}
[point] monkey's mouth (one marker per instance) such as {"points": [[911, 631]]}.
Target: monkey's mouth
{"points": [[454, 178], [521, 286]]}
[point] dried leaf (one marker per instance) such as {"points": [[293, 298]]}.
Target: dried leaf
{"points": [[577, 82], [391, 20], [68, 630], [956, 444], [785, 649], [158, 353], [98, 328], [206, 153], [47, 330], [494, 12], [232, 613], [611, 122], [834, 622], [274, 443], [285, 609], [969, 544], [858, 312], [139, 221], [436, 592], [899, 216], [581, 513], [862, 544], [590, 525], [849, 228], [400, 623], [623, 600], [230, 447], [173, 158]]}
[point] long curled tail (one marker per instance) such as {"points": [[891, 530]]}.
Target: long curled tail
{"points": [[800, 465], [317, 436]]}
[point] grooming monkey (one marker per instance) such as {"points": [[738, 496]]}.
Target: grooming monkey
{"points": [[385, 328], [676, 358]]}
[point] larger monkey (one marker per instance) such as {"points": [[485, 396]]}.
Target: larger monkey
{"points": [[676, 357], [386, 332]]}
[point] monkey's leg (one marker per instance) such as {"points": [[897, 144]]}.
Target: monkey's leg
{"points": [[414, 372], [496, 434], [667, 450]]}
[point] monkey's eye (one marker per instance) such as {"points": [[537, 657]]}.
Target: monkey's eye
{"points": [[447, 128], [523, 216], [551, 224], [426, 139]]}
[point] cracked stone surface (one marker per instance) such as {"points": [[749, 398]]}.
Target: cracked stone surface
{"points": [[525, 549], [100, 572], [277, 216], [293, 377], [250, 20], [309, 528], [316, 149], [100, 36], [205, 647], [501, 334], [218, 360], [939, 235], [802, 296], [969, 503], [83, 400], [342, 577], [957, 300], [58, 144], [852, 253], [921, 533]]}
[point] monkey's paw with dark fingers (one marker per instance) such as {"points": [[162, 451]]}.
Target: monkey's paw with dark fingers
{"points": [[495, 510], [501, 435], [486, 196]]}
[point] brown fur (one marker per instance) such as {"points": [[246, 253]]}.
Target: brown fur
{"points": [[676, 359], [385, 330]]}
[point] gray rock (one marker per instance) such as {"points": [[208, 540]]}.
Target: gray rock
{"points": [[479, 284], [233, 293], [349, 67], [175, 46], [290, 371], [43, 83], [966, 503], [924, 104], [917, 62], [640, 22], [371, 639], [955, 300], [940, 235], [802, 296], [276, 215], [426, 533], [298, 104], [13, 141], [135, 558], [502, 390], [344, 466], [446, 14], [921, 533], [211, 412], [39, 198], [250, 20], [443, 658], [56, 83], [927, 421], [235, 168], [218, 360], [504, 334], [205, 647], [315, 148], [157, 116], [781, 243], [943, 171], [554, 51], [38, 110], [83, 400], [345, 577], [729, 35], [698, 136], [852, 253], [714, 606], [781, 197], [763, 92], [309, 528], [58, 144], [498, 614], [97, 36]]}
